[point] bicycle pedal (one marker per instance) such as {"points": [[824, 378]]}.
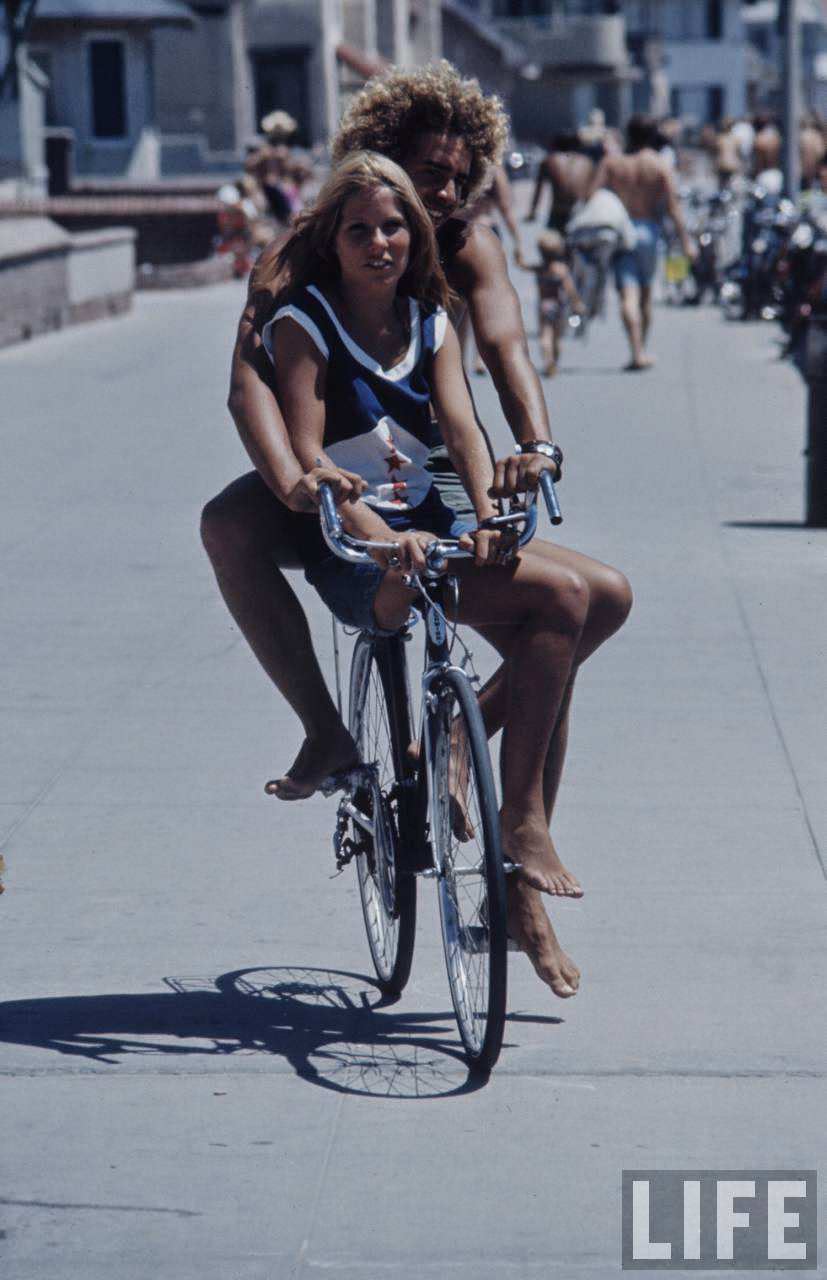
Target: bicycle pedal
{"points": [[346, 780], [510, 867]]}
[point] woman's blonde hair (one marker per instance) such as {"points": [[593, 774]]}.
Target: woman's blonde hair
{"points": [[309, 257]]}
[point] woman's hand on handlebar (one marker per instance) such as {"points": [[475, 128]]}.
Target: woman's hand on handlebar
{"points": [[520, 472], [346, 487], [409, 556]]}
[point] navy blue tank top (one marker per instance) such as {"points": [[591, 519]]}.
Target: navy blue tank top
{"points": [[377, 421]]}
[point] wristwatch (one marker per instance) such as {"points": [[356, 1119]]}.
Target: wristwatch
{"points": [[548, 450]]}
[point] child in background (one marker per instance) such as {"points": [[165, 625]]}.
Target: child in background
{"points": [[556, 295]]}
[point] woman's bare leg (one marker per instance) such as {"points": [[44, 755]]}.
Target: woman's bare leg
{"points": [[237, 531]]}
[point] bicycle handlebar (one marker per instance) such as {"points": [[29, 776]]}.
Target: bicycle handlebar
{"points": [[441, 550]]}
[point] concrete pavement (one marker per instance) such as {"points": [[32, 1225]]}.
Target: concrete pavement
{"points": [[196, 1078]]}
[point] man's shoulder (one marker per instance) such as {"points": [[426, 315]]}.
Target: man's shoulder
{"points": [[479, 260]]}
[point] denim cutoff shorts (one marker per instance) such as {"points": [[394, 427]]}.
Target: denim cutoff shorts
{"points": [[638, 265], [349, 590]]}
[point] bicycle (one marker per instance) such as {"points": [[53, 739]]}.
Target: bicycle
{"points": [[592, 249], [432, 814]]}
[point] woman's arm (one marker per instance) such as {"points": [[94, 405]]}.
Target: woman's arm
{"points": [[259, 422], [458, 426], [301, 372]]}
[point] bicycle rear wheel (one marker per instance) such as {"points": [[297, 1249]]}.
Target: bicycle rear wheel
{"points": [[470, 875], [379, 721]]}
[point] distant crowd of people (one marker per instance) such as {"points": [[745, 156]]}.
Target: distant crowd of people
{"points": [[269, 194], [751, 147]]}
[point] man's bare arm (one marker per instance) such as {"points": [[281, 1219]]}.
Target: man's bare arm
{"points": [[505, 203], [481, 275], [600, 178], [256, 413], [258, 418], [673, 208], [542, 179]]}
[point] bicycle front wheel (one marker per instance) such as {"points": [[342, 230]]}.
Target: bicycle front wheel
{"points": [[380, 725], [466, 834]]}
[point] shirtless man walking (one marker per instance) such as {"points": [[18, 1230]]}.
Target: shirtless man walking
{"points": [[644, 183], [568, 171], [446, 134]]}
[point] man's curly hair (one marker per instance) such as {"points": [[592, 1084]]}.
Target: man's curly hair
{"points": [[398, 106]]}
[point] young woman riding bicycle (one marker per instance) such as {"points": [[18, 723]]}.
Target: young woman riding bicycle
{"points": [[361, 346]]}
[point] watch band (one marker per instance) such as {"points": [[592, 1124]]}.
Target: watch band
{"points": [[547, 449]]}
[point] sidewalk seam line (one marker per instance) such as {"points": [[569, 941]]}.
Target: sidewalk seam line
{"points": [[741, 608], [301, 1257]]}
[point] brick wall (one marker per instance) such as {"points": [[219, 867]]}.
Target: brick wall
{"points": [[34, 296]]}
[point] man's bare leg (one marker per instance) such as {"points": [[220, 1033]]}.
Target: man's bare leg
{"points": [[269, 614], [610, 600], [529, 926], [630, 314], [645, 312]]}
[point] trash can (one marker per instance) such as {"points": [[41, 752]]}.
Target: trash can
{"points": [[815, 372], [60, 147]]}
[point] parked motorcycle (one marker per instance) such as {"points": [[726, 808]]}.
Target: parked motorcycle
{"points": [[750, 290], [802, 281]]}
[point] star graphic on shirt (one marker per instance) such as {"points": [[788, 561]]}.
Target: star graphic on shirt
{"points": [[393, 461]]}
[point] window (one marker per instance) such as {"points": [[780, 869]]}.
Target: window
{"points": [[107, 77], [281, 83], [521, 8], [714, 20]]}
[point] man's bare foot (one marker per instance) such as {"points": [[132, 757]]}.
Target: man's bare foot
{"points": [[318, 759], [531, 929], [639, 365], [529, 843]]}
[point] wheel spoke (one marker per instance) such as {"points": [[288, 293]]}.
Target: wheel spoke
{"points": [[389, 927], [465, 821]]}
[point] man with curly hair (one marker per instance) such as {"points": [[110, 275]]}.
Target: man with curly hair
{"points": [[447, 134]]}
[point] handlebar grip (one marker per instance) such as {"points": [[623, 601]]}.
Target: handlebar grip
{"points": [[328, 507], [550, 494]]}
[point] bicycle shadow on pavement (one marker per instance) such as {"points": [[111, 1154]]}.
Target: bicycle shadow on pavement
{"points": [[335, 1029]]}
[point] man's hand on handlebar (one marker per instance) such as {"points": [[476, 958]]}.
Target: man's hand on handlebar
{"points": [[520, 472], [494, 546], [346, 487]]}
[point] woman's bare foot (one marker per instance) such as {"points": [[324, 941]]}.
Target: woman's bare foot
{"points": [[639, 365], [318, 759], [529, 843], [531, 929]]}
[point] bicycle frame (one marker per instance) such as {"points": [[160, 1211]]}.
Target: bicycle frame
{"points": [[437, 645]]}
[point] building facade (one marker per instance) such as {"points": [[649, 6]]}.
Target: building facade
{"points": [[98, 57], [682, 57], [246, 58], [762, 31]]}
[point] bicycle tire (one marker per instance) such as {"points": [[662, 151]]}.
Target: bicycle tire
{"points": [[470, 873], [379, 720]]}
